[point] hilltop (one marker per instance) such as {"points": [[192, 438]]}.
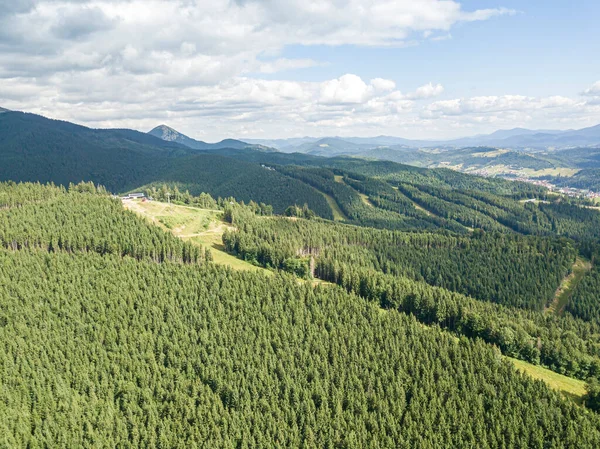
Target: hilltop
{"points": [[169, 134]]}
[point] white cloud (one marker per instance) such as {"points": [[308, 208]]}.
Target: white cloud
{"points": [[233, 33], [276, 108], [427, 91], [383, 85], [282, 64], [593, 90], [488, 113], [493, 104], [194, 63], [346, 89], [594, 93]]}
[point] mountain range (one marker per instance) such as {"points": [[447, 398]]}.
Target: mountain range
{"points": [[517, 138], [34, 148]]}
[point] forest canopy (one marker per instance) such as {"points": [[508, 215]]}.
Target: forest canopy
{"points": [[123, 348]]}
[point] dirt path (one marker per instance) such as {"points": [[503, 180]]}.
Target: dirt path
{"points": [[568, 285]]}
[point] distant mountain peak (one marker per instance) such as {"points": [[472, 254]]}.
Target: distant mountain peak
{"points": [[167, 133]]}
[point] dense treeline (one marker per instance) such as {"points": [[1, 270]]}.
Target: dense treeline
{"points": [[103, 351], [84, 219], [359, 211], [585, 302], [455, 209], [450, 211], [225, 177], [391, 171], [382, 195], [504, 268], [588, 178], [562, 344], [390, 267], [100, 350], [572, 220], [435, 207], [483, 210], [13, 194], [395, 172], [171, 193]]}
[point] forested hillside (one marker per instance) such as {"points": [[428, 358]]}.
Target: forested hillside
{"points": [[458, 204], [588, 178], [404, 271], [33, 148], [103, 349], [83, 219], [508, 269]]}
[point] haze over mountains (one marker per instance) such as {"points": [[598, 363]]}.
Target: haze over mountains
{"points": [[517, 138], [569, 158]]}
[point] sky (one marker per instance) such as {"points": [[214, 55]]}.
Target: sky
{"points": [[427, 69]]}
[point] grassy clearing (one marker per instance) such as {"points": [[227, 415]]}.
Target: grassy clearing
{"points": [[338, 214], [534, 201], [573, 389], [365, 199], [501, 169], [490, 154], [422, 209], [200, 226], [567, 286]]}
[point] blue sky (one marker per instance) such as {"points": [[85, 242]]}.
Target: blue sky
{"points": [[546, 48], [282, 68]]}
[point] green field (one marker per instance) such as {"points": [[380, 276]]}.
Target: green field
{"points": [[200, 226], [571, 388]]}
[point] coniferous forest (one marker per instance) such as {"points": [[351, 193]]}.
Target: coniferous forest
{"points": [[331, 224], [389, 301], [112, 336]]}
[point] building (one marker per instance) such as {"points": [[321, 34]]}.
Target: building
{"points": [[133, 196]]}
